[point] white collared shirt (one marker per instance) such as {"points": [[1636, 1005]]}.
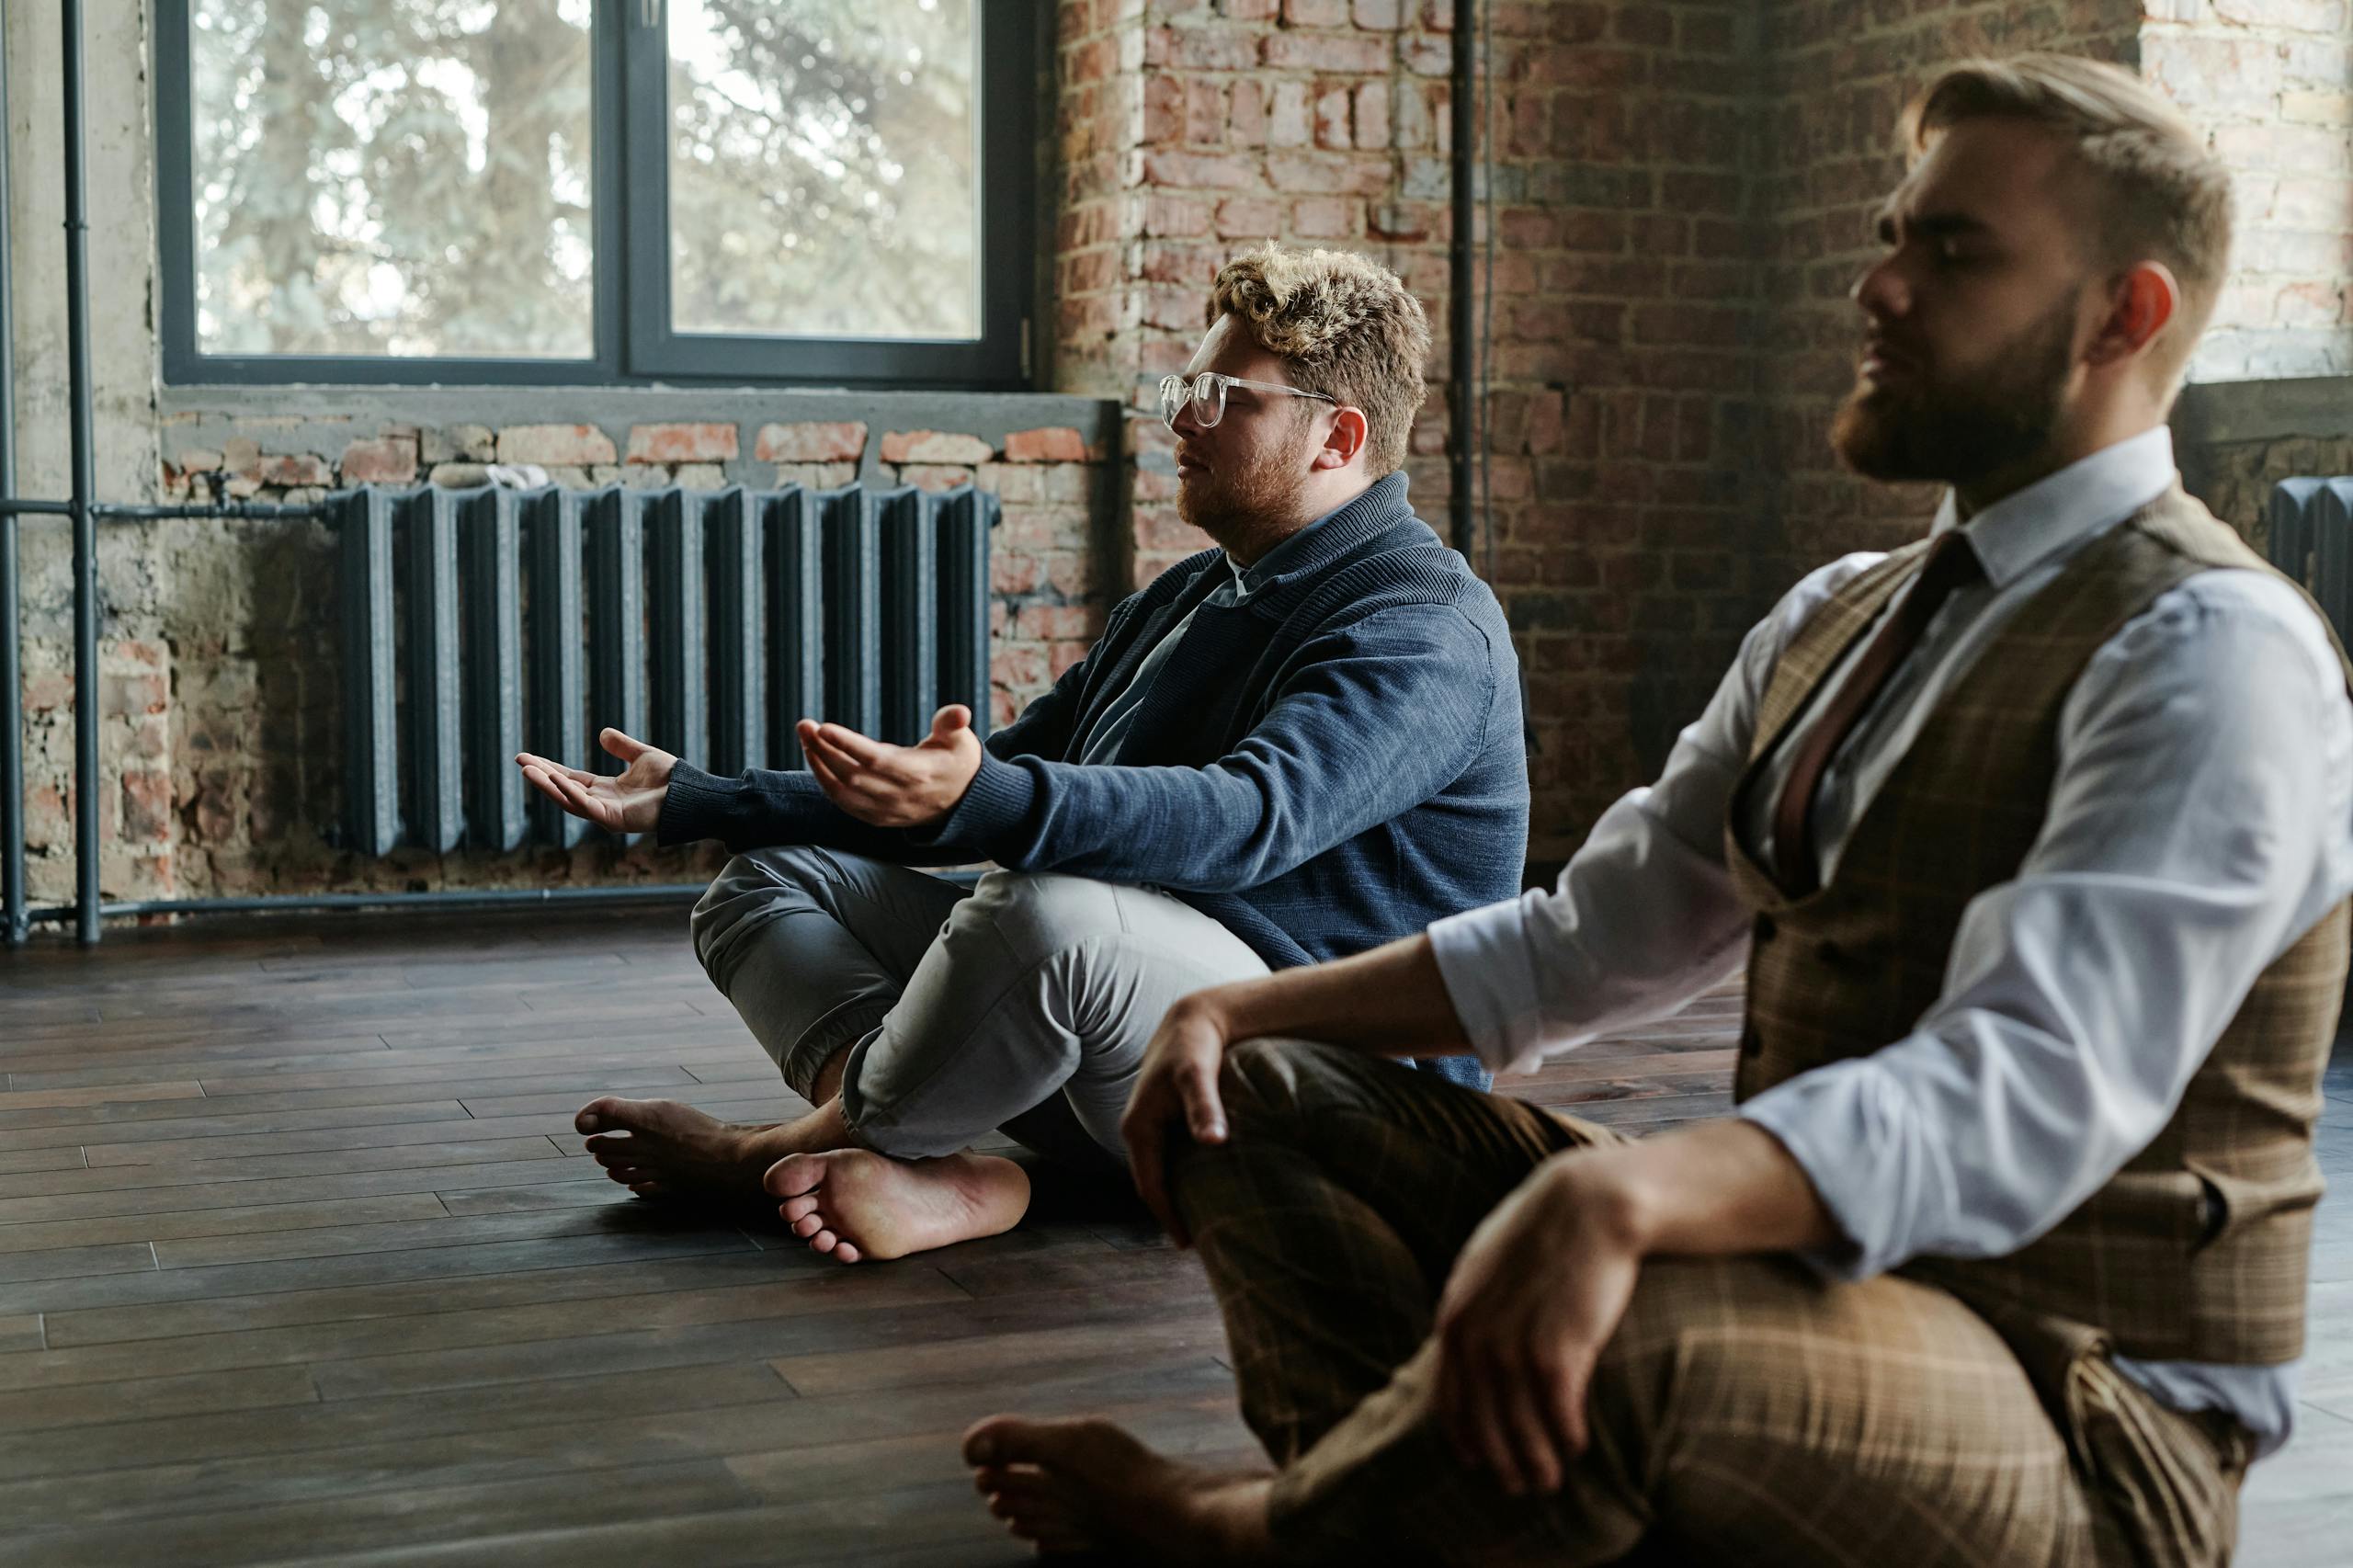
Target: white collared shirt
{"points": [[2201, 821]]}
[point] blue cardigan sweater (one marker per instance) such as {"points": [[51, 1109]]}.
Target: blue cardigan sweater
{"points": [[1332, 764]]}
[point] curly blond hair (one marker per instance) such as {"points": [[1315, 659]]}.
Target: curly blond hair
{"points": [[1344, 324]]}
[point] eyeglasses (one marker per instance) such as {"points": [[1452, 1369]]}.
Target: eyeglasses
{"points": [[1205, 394]]}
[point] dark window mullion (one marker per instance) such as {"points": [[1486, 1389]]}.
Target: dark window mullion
{"points": [[630, 306]]}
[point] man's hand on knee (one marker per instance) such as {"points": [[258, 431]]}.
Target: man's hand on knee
{"points": [[1175, 1092], [1534, 1296]]}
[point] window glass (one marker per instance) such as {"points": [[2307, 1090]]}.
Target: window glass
{"points": [[400, 178], [822, 158]]}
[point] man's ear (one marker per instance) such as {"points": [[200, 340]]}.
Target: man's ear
{"points": [[1345, 440], [2140, 304]]}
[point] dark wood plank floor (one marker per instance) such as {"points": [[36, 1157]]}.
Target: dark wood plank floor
{"points": [[301, 1262]]}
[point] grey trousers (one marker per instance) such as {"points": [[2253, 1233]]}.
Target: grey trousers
{"points": [[1025, 1005]]}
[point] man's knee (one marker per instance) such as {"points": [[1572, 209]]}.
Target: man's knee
{"points": [[745, 886], [1036, 914], [1274, 1082]]}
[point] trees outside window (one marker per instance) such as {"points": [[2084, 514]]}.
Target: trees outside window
{"points": [[594, 190]]}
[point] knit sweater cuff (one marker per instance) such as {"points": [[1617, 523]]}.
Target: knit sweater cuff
{"points": [[994, 803], [698, 805]]}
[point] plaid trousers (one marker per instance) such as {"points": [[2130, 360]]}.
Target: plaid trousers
{"points": [[1746, 1411]]}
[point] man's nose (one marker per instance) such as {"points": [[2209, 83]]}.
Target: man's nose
{"points": [[1882, 290]]}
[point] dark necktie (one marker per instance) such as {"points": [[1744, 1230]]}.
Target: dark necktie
{"points": [[1950, 563]]}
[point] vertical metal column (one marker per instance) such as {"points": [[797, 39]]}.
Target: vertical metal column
{"points": [[1462, 331], [86, 484], [14, 926]]}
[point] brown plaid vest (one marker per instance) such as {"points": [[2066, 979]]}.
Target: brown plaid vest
{"points": [[2198, 1249]]}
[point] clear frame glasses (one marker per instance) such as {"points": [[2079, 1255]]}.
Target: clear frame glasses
{"points": [[1205, 394]]}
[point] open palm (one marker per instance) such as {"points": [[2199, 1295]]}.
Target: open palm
{"points": [[629, 802]]}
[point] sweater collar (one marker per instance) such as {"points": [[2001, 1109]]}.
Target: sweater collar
{"points": [[1329, 538]]}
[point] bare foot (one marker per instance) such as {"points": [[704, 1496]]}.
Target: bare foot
{"points": [[663, 1149], [1087, 1485], [854, 1203]]}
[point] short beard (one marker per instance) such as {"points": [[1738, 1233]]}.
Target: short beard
{"points": [[1234, 510], [1960, 433]]}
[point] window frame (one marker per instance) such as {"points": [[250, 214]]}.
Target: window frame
{"points": [[635, 344]]}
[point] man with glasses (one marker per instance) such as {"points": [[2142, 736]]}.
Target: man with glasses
{"points": [[1291, 748]]}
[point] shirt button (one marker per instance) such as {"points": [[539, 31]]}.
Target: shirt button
{"points": [[1751, 1042]]}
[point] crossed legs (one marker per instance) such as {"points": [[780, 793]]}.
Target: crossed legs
{"points": [[914, 1019], [1744, 1410]]}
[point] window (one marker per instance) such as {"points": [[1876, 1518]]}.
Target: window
{"points": [[598, 190]]}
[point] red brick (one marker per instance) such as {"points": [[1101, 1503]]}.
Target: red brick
{"points": [[1364, 174], [1326, 51], [933, 447], [1011, 573], [1248, 217], [935, 476], [1372, 115], [1332, 118], [1316, 13], [1246, 115], [1287, 122], [556, 445], [1049, 444], [389, 461], [146, 806], [1167, 214], [1216, 171], [1204, 112], [681, 443], [295, 469], [1213, 48], [1324, 217], [811, 442]]}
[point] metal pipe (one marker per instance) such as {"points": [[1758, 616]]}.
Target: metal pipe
{"points": [[124, 511], [13, 925], [438, 900], [86, 484], [1461, 331], [445, 899]]}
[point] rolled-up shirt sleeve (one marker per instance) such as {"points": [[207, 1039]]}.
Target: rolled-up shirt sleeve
{"points": [[2198, 824], [1643, 917]]}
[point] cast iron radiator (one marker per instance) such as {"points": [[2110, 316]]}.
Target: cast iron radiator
{"points": [[2311, 540], [478, 623]]}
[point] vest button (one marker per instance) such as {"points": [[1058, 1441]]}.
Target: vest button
{"points": [[1764, 927], [1830, 952], [1751, 1042]]}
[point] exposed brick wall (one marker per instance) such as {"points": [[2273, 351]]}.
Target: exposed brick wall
{"points": [[1839, 73], [1620, 417], [1681, 191], [2271, 82], [220, 701]]}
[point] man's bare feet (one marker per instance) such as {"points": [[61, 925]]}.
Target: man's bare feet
{"points": [[1087, 1485], [663, 1149], [854, 1203]]}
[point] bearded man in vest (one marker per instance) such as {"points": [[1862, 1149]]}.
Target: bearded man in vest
{"points": [[2035, 837]]}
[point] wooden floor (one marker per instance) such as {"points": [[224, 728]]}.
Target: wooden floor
{"points": [[301, 1262]]}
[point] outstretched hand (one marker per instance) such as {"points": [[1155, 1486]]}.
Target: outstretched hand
{"points": [[888, 786], [629, 802]]}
